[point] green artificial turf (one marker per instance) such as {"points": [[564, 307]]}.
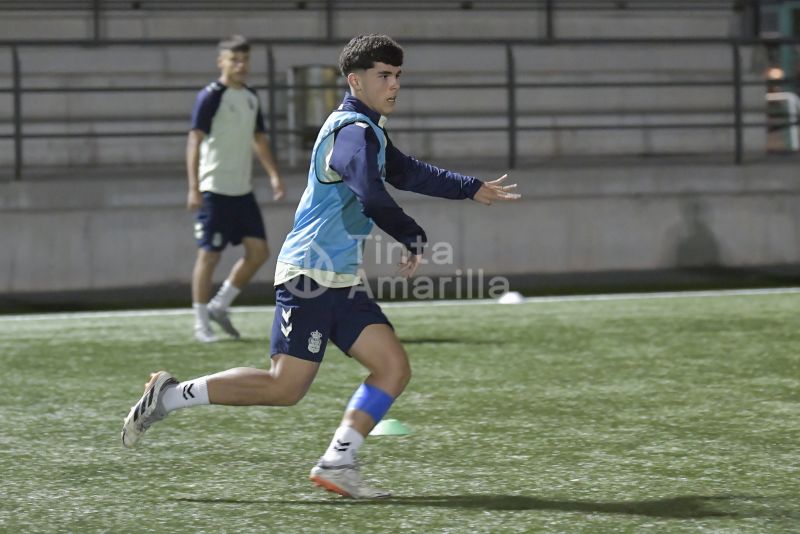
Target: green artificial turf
{"points": [[631, 415]]}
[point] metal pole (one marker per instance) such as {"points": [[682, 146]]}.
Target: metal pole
{"points": [[273, 119], [96, 19], [512, 108], [749, 18], [329, 20], [756, 14], [17, 86], [737, 101], [549, 14]]}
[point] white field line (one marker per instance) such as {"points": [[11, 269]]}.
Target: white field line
{"points": [[415, 304]]}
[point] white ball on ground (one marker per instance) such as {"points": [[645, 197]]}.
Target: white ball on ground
{"points": [[512, 297]]}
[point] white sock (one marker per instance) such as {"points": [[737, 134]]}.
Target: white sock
{"points": [[343, 447], [224, 297], [189, 393], [200, 314]]}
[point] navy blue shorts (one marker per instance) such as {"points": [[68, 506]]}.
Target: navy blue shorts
{"points": [[307, 315], [223, 219]]}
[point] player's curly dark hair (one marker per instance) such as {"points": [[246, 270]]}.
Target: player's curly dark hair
{"points": [[234, 43], [364, 51]]}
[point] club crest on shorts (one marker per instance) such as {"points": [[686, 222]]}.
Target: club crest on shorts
{"points": [[315, 342]]}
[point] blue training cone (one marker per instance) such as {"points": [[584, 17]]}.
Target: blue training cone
{"points": [[390, 427]]}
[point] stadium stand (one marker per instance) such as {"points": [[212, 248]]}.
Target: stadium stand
{"points": [[584, 100], [125, 99]]}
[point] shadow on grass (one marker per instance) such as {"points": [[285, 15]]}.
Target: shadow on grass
{"points": [[686, 507], [246, 340], [444, 340]]}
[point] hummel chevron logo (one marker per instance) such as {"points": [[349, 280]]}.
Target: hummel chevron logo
{"points": [[341, 446], [286, 313], [187, 390]]}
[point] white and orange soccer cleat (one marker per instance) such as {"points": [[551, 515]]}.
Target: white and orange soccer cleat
{"points": [[346, 481]]}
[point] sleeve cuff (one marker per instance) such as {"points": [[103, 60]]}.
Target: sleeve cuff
{"points": [[417, 246], [472, 187]]}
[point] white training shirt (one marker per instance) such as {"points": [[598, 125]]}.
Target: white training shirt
{"points": [[229, 118]]}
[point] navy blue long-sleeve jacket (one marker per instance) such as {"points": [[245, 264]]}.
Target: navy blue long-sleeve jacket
{"points": [[355, 158]]}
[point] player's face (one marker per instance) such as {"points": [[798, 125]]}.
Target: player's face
{"points": [[234, 67], [377, 87]]}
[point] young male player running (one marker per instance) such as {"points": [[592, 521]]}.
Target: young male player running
{"points": [[227, 127], [319, 295]]}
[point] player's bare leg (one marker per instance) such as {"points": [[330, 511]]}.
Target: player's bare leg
{"points": [[379, 350], [204, 266], [286, 382], [256, 253], [202, 274]]}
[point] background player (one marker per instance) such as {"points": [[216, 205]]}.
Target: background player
{"points": [[227, 126]]}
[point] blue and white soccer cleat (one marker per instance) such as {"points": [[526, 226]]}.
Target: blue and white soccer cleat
{"points": [[222, 318], [148, 410], [346, 481]]}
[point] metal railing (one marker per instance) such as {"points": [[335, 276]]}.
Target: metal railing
{"points": [[97, 10], [511, 85], [416, 5]]}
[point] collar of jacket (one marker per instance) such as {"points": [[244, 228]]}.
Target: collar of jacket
{"points": [[351, 103]]}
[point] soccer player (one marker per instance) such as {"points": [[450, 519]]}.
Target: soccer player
{"points": [[226, 125], [319, 296]]}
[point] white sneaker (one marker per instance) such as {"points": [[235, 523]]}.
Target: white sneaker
{"points": [[204, 334], [148, 410], [221, 317], [344, 480]]}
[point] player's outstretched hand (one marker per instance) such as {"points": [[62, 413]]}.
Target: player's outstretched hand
{"points": [[494, 191], [408, 265]]}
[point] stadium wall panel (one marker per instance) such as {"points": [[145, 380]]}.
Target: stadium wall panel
{"points": [[108, 233]]}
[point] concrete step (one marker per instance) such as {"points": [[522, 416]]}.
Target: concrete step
{"points": [[458, 23]]}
